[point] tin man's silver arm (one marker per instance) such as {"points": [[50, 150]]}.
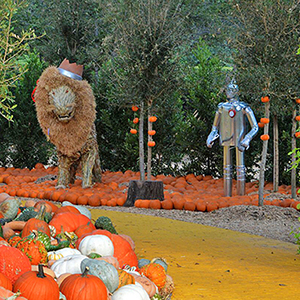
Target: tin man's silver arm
{"points": [[251, 134], [214, 134]]}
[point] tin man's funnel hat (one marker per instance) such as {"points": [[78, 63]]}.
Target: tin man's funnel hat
{"points": [[71, 70]]}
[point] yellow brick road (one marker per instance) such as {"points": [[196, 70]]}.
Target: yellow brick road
{"points": [[211, 263]]}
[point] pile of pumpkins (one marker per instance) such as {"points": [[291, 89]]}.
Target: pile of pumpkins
{"points": [[50, 252]]}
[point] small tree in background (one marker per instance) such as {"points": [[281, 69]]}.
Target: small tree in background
{"points": [[265, 41], [12, 46], [145, 46]]}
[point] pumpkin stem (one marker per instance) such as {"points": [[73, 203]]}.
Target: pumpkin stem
{"points": [[40, 273], [85, 273]]}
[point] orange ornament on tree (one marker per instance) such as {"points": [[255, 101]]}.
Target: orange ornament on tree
{"points": [[135, 120], [298, 100], [265, 99], [151, 143], [264, 137], [265, 120], [151, 132], [297, 134], [297, 118], [260, 125], [134, 108], [133, 131], [152, 119]]}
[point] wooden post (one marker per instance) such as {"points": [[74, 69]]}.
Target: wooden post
{"points": [[276, 155], [144, 190], [293, 172], [149, 154], [141, 142], [263, 159]]}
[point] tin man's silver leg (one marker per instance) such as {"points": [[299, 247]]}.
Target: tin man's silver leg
{"points": [[240, 172], [227, 171]]}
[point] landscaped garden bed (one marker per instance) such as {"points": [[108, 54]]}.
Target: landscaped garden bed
{"points": [[190, 192]]}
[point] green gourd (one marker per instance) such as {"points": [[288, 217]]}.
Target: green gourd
{"points": [[102, 269], [106, 224], [26, 214], [44, 238]]}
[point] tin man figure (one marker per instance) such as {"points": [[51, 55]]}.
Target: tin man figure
{"points": [[230, 126]]}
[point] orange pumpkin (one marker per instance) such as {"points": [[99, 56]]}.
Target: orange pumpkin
{"points": [[85, 228], [123, 251], [134, 108], [37, 285], [5, 282], [83, 286], [260, 125], [297, 134], [69, 221], [35, 224], [156, 273], [135, 120], [298, 100], [297, 118]]}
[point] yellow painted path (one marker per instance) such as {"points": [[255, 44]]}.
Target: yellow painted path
{"points": [[211, 263]]}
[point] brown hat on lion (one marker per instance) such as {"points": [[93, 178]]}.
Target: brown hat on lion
{"points": [[65, 106]]}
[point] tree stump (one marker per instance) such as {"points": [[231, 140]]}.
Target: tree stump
{"points": [[144, 190]]}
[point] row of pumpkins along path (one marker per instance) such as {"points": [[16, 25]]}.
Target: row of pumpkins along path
{"points": [[58, 252], [190, 192]]}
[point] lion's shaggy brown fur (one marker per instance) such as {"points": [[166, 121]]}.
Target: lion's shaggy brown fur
{"points": [[69, 138]]}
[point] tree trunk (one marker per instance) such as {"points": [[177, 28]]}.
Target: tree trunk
{"points": [[293, 173], [263, 159], [144, 190], [141, 142], [149, 157], [276, 155]]}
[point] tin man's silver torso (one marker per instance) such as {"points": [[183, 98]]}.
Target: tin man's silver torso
{"points": [[232, 122]]}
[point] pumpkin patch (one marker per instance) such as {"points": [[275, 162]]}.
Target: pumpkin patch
{"points": [[105, 261]]}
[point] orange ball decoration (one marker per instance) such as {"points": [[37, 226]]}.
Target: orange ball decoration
{"points": [[297, 134], [152, 119], [151, 132], [134, 108], [133, 131], [264, 137], [298, 100], [265, 120], [135, 120], [297, 118], [151, 143], [265, 99], [260, 124]]}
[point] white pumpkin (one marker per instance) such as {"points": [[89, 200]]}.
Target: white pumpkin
{"points": [[130, 292], [97, 243], [55, 255], [83, 210], [68, 264]]}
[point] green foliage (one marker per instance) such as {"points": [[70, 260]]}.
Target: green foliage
{"points": [[12, 46], [204, 81], [22, 142]]}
